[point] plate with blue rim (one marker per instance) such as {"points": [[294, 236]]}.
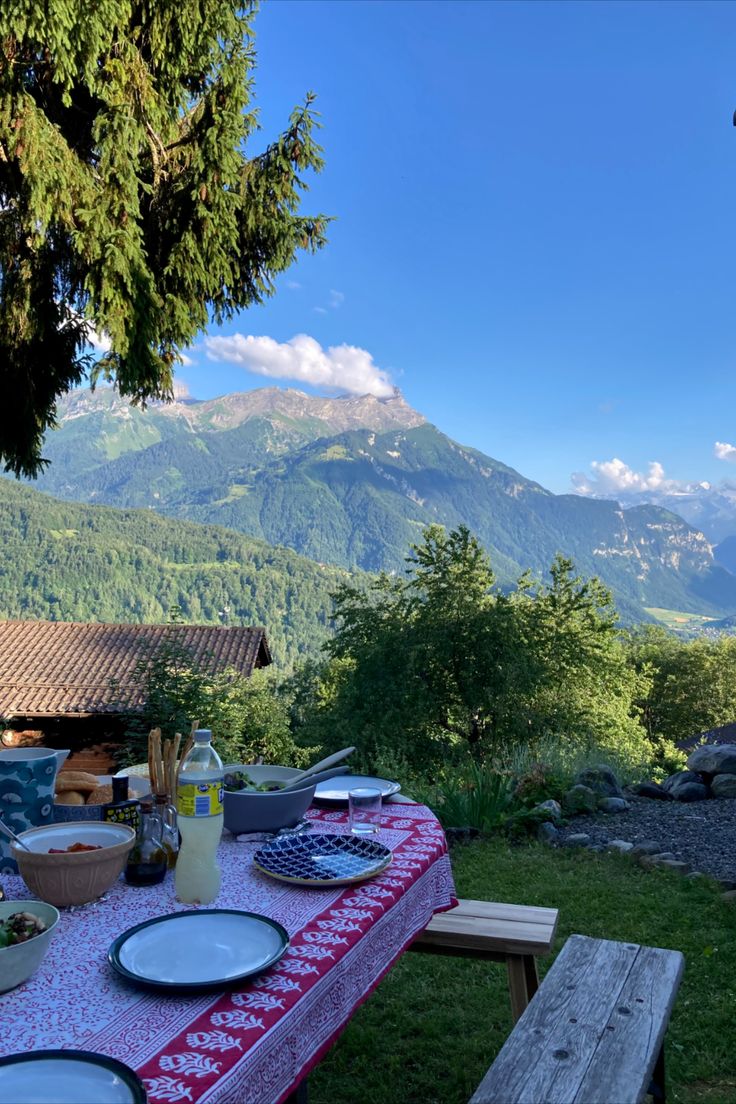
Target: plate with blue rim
{"points": [[69, 1077], [198, 951], [322, 860]]}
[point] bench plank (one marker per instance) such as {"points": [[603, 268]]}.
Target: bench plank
{"points": [[489, 926], [554, 1047], [636, 1028]]}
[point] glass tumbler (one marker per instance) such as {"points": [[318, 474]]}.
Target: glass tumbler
{"points": [[365, 811]]}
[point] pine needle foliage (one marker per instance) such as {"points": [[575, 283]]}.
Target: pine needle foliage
{"points": [[127, 199]]}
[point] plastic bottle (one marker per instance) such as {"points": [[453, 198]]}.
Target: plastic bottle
{"points": [[199, 818]]}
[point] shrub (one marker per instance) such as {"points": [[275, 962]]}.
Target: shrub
{"points": [[249, 718], [477, 797]]}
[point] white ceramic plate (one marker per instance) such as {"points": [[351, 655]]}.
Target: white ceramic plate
{"points": [[206, 949], [68, 1077], [336, 790]]}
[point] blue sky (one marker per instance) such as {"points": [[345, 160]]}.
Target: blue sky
{"points": [[536, 224]]}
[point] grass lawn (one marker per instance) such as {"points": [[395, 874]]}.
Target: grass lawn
{"points": [[431, 1029]]}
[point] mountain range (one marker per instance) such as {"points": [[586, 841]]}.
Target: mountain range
{"points": [[709, 507], [351, 482]]}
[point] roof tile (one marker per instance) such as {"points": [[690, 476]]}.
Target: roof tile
{"points": [[53, 668]]}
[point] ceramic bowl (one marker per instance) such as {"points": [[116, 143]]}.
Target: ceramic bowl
{"points": [[248, 811], [18, 962], [73, 878], [137, 788]]}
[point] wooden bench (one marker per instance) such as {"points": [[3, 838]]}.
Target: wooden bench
{"points": [[514, 934], [594, 1032]]}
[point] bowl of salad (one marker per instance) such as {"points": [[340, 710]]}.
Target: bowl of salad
{"points": [[253, 801], [26, 931]]}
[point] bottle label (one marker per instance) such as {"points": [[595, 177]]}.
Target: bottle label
{"points": [[199, 799]]}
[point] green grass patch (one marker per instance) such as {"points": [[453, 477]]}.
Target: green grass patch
{"points": [[678, 619], [434, 1025]]}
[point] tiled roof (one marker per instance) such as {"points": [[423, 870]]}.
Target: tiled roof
{"points": [[57, 668]]}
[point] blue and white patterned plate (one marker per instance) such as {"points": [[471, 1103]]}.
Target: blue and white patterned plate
{"points": [[321, 860]]}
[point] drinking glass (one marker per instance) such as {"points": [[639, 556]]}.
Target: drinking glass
{"points": [[365, 811]]}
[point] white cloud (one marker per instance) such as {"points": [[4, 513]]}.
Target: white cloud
{"points": [[337, 298], [725, 452], [614, 476], [338, 368], [293, 285], [100, 342], [320, 310], [181, 389]]}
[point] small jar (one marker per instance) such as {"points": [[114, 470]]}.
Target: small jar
{"points": [[147, 862]]}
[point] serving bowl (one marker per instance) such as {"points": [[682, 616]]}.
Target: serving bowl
{"points": [[250, 811], [18, 962], [73, 878], [138, 787]]}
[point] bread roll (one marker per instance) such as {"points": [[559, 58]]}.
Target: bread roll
{"points": [[80, 781], [70, 797], [100, 796]]}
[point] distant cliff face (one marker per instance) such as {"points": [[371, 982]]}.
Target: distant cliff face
{"points": [[352, 482]]}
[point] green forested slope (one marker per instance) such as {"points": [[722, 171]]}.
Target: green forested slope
{"points": [[70, 562], [316, 476]]}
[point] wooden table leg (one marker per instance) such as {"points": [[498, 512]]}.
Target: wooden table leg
{"points": [[523, 982]]}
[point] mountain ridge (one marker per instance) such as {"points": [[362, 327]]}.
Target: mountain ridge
{"points": [[310, 474]]}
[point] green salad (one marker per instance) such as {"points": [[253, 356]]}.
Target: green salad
{"points": [[235, 781], [19, 928]]}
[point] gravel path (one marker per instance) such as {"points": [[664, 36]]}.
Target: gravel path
{"points": [[702, 833]]}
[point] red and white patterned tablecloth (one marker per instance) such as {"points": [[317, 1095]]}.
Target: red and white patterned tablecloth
{"points": [[253, 1045]]}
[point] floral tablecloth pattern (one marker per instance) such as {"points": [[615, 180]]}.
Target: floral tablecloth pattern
{"points": [[252, 1045]]}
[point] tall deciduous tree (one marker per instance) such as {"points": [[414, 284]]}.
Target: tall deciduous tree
{"points": [[127, 198], [427, 668]]}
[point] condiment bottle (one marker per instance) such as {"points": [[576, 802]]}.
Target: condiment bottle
{"points": [[147, 862], [200, 819], [170, 834], [122, 810]]}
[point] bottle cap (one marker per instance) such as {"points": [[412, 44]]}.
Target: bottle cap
{"points": [[202, 735], [120, 789]]}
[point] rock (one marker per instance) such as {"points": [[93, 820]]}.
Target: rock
{"points": [[551, 807], [674, 865], [694, 876], [547, 833], [646, 847], [650, 861], [713, 759], [580, 799], [726, 883], [729, 896], [612, 805], [620, 845], [578, 839], [602, 780], [691, 791], [723, 785], [652, 790], [680, 778]]}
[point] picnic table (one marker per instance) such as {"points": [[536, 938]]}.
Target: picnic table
{"points": [[255, 1044]]}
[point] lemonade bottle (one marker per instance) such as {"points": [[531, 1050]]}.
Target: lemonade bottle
{"points": [[199, 817]]}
